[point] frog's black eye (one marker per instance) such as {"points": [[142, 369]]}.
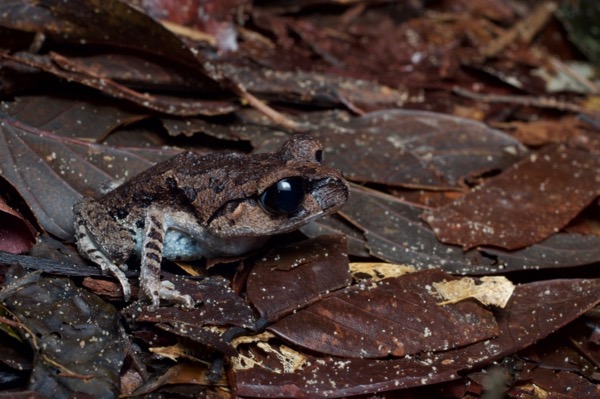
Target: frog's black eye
{"points": [[283, 197]]}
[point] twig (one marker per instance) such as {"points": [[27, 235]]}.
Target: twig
{"points": [[272, 114], [560, 66], [525, 29], [530, 101]]}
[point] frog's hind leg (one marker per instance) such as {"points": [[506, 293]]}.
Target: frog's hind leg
{"points": [[152, 247], [88, 247], [103, 241]]}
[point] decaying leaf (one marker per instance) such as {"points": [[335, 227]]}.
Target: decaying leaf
{"points": [[378, 271], [114, 74], [288, 360], [494, 291]]}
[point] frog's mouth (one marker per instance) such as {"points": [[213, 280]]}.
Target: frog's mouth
{"points": [[248, 218]]}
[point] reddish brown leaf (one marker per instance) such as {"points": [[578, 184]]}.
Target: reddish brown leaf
{"points": [[314, 88], [16, 234], [289, 278], [572, 350], [217, 305], [396, 316], [158, 102], [141, 72], [552, 303], [416, 148], [182, 373], [411, 148], [562, 384], [542, 132], [115, 23], [70, 116], [528, 203]]}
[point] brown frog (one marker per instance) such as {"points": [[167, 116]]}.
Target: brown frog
{"points": [[217, 205]]}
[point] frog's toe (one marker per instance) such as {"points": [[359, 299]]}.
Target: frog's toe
{"points": [[117, 272], [167, 291]]}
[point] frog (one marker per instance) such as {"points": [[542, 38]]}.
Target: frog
{"points": [[192, 206]]}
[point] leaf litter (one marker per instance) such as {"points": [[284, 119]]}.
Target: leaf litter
{"points": [[303, 320]]}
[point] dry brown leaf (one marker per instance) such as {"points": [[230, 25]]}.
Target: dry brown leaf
{"points": [[378, 270]]}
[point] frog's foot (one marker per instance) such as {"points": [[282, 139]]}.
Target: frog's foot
{"points": [[168, 291], [152, 247]]}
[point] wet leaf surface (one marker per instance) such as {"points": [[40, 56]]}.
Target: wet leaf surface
{"points": [[526, 204], [76, 335], [335, 377], [392, 317], [289, 278], [406, 97], [395, 232], [218, 305]]}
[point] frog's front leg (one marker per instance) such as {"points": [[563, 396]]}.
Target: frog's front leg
{"points": [[152, 251]]}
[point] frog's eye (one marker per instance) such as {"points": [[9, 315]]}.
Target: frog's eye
{"points": [[283, 197]]}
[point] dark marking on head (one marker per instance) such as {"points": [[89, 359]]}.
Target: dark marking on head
{"points": [[121, 213], [216, 185], [190, 193], [308, 170], [171, 183], [143, 198], [139, 224]]}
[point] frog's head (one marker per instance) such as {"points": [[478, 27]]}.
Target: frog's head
{"points": [[292, 187]]}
